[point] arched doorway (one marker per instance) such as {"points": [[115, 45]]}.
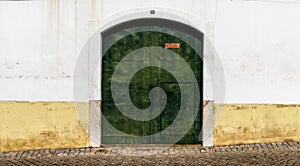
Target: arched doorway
{"points": [[151, 37]]}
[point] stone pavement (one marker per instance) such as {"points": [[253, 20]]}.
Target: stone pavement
{"points": [[286, 153]]}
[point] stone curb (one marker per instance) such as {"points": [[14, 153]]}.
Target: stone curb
{"points": [[140, 151]]}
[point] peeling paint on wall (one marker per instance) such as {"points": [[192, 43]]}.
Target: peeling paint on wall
{"points": [[42, 125], [40, 42], [256, 123]]}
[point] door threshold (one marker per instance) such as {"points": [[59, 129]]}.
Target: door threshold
{"points": [[152, 145]]}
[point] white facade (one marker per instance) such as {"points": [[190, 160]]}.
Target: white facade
{"points": [[257, 43]]}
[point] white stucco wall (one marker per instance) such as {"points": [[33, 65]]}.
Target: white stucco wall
{"points": [[257, 42]]}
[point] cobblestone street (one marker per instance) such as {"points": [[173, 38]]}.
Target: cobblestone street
{"points": [[287, 153]]}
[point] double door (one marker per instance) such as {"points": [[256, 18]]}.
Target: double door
{"points": [[117, 128]]}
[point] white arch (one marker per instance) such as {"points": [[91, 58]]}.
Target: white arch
{"points": [[95, 51], [164, 13]]}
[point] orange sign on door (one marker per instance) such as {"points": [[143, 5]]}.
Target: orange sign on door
{"points": [[172, 45]]}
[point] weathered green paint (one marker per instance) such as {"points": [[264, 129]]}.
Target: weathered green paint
{"points": [[141, 84]]}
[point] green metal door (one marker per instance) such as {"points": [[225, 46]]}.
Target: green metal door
{"points": [[114, 123]]}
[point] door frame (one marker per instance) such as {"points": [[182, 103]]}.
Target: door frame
{"points": [[92, 52]]}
